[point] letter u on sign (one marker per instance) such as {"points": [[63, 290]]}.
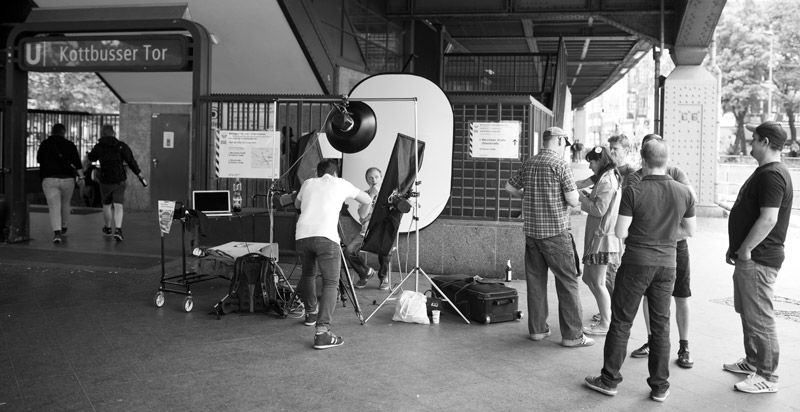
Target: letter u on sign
{"points": [[33, 54]]}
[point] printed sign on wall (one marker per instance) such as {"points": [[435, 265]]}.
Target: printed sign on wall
{"points": [[247, 154], [499, 140]]}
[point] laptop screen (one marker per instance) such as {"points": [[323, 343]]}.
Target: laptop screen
{"points": [[212, 202]]}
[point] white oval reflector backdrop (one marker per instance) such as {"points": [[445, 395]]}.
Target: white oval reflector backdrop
{"points": [[434, 119]]}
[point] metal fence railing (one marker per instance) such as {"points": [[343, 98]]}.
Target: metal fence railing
{"points": [[295, 116], [82, 128], [733, 171]]}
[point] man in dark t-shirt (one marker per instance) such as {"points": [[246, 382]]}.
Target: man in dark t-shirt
{"points": [[682, 290], [653, 215], [757, 229]]}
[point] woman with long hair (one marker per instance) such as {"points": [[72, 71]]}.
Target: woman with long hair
{"points": [[600, 246]]}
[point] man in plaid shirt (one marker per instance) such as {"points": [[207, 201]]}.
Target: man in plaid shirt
{"points": [[547, 187]]}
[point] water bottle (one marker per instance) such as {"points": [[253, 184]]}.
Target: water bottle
{"points": [[237, 195], [508, 271]]}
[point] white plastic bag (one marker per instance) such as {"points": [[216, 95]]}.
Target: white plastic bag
{"points": [[411, 308]]}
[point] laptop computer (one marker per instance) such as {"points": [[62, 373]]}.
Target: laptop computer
{"points": [[212, 202]]}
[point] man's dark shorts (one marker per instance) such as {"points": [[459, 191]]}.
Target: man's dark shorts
{"points": [[112, 193], [682, 272]]}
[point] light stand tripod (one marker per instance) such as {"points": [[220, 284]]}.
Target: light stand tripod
{"points": [[346, 283], [417, 270]]}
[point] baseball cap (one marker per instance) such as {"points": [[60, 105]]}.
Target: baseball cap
{"points": [[771, 130], [556, 132]]}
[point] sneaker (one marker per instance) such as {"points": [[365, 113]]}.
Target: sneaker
{"points": [[578, 343], [63, 231], [684, 359], [106, 230], [642, 352], [659, 396], [384, 285], [755, 383], [596, 317], [596, 383], [740, 366], [57, 239], [118, 235], [539, 336], [327, 340], [363, 281], [311, 319], [595, 330]]}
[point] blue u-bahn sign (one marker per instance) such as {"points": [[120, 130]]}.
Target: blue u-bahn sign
{"points": [[116, 53]]}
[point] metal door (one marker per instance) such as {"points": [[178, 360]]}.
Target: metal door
{"points": [[170, 162]]}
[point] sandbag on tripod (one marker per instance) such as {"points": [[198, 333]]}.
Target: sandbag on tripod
{"points": [[252, 289]]}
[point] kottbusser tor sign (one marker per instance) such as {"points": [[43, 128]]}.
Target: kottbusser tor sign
{"points": [[117, 53]]}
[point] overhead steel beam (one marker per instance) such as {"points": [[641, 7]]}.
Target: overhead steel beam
{"points": [[527, 27], [549, 38], [560, 16]]}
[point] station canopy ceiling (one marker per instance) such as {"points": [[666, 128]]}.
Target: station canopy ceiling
{"points": [[257, 53]]}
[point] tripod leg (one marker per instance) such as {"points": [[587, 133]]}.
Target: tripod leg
{"points": [[444, 297], [292, 302], [346, 283], [398, 286]]}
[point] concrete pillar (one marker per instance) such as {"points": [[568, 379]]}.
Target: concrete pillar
{"points": [[690, 128], [580, 127]]}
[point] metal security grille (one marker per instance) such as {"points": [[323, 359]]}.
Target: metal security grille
{"points": [[295, 116], [478, 185], [530, 73], [82, 128]]}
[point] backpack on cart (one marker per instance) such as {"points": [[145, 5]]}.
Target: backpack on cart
{"points": [[252, 289]]}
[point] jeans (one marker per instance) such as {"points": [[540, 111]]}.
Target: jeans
{"points": [[356, 259], [58, 193], [752, 298], [327, 256], [633, 282], [557, 254]]}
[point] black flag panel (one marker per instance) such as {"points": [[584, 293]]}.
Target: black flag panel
{"points": [[397, 184]]}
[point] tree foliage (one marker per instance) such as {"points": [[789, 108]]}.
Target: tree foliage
{"points": [[742, 57], [784, 16], [80, 92]]}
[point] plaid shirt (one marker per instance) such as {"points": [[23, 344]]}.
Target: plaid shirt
{"points": [[545, 178]]}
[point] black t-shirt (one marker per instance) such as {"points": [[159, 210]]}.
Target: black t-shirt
{"points": [[769, 186]]}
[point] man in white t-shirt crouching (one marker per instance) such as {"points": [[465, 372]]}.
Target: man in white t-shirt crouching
{"points": [[319, 201]]}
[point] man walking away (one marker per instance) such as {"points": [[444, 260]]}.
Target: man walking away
{"points": [[113, 155], [757, 229], [547, 187]]}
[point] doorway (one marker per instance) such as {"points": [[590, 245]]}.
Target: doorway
{"points": [[169, 150]]}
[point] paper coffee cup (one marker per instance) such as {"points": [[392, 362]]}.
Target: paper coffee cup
{"points": [[435, 316]]}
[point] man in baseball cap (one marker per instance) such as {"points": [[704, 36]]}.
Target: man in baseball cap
{"points": [[556, 132], [757, 226], [773, 131]]}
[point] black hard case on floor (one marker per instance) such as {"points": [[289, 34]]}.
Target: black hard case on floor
{"points": [[481, 302]]}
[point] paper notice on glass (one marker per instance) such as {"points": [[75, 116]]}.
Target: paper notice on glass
{"points": [[166, 209]]}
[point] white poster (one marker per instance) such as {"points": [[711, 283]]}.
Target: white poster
{"points": [[166, 210], [247, 154], [497, 140]]}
